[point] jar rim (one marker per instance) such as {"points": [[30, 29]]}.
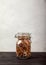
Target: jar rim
{"points": [[23, 34]]}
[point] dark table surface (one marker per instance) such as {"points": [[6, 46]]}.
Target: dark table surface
{"points": [[9, 58]]}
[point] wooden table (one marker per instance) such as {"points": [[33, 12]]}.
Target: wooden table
{"points": [[9, 58]]}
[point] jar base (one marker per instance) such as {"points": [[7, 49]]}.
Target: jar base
{"points": [[24, 57]]}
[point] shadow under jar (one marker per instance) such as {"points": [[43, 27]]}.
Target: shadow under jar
{"points": [[23, 45]]}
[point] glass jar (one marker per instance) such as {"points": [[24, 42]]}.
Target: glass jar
{"points": [[23, 45]]}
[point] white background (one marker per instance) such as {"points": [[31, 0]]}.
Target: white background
{"points": [[22, 16]]}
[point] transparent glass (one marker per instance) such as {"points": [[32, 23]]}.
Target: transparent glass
{"points": [[23, 45]]}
